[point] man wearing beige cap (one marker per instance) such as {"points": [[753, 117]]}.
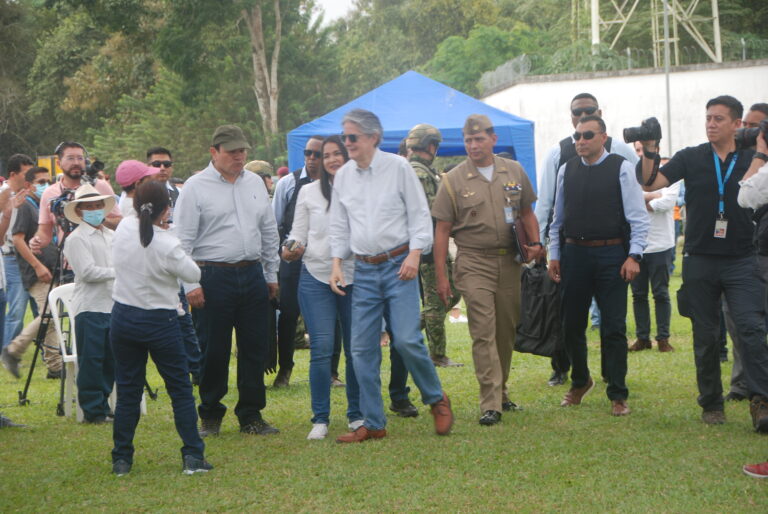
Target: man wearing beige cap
{"points": [[224, 221], [478, 202]]}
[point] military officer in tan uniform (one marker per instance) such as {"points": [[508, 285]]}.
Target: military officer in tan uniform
{"points": [[477, 203]]}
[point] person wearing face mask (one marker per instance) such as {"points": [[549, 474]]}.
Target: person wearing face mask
{"points": [[36, 272], [88, 250]]}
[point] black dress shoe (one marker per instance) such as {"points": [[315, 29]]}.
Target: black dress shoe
{"points": [[557, 379], [509, 406], [259, 427], [490, 417], [404, 408]]}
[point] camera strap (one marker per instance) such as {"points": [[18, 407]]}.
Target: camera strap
{"points": [[722, 180]]}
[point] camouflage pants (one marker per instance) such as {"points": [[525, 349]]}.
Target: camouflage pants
{"points": [[433, 309]]}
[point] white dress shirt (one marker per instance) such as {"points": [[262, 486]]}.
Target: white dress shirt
{"points": [[89, 253], [753, 193], [661, 233], [310, 228], [126, 206], [147, 278], [220, 221], [379, 208], [547, 183]]}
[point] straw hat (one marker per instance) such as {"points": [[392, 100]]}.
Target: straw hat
{"points": [[87, 193]]}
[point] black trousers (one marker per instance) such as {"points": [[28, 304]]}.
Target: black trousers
{"points": [[653, 269], [289, 312], [587, 272], [235, 299], [706, 278]]}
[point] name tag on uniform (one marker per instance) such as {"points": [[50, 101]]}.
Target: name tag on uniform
{"points": [[721, 228], [509, 214]]}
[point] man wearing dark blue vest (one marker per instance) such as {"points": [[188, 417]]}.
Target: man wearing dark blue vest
{"points": [[597, 237], [284, 205], [583, 104]]}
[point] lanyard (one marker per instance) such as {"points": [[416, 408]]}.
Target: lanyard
{"points": [[721, 181]]}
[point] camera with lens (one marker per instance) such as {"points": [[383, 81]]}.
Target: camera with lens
{"points": [[747, 137], [57, 206], [649, 130], [92, 169]]}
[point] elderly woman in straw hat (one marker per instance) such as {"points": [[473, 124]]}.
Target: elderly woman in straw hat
{"points": [[89, 252]]}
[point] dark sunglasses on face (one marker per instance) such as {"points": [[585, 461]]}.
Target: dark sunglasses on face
{"points": [[313, 153], [157, 164], [587, 134], [351, 137], [584, 110]]}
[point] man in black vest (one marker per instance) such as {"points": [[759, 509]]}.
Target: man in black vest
{"points": [[599, 228], [284, 205], [719, 256], [583, 104]]}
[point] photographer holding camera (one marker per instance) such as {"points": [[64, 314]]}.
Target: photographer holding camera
{"points": [[718, 255], [72, 158]]}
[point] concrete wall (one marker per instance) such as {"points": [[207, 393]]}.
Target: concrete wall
{"points": [[627, 97]]}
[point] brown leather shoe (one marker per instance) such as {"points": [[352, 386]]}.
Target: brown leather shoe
{"points": [[443, 415], [576, 394], [713, 417], [360, 435], [664, 345], [640, 344], [758, 409], [619, 408]]}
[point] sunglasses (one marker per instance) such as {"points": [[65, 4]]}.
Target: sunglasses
{"points": [[584, 110], [587, 134], [157, 164], [313, 153], [351, 137]]}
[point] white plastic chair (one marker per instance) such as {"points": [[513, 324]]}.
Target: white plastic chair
{"points": [[68, 346]]}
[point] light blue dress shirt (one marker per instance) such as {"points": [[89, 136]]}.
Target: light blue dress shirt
{"points": [[631, 197]]}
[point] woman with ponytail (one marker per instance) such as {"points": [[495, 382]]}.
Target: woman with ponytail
{"points": [[149, 262]]}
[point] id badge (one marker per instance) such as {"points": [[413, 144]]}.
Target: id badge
{"points": [[509, 214], [721, 228]]}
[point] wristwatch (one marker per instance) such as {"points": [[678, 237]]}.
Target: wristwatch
{"points": [[637, 257]]}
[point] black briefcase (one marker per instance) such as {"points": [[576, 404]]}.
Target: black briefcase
{"points": [[539, 331]]}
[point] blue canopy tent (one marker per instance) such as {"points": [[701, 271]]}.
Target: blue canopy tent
{"points": [[413, 98]]}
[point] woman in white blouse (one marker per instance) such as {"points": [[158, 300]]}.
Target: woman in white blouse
{"points": [[149, 262], [320, 306]]}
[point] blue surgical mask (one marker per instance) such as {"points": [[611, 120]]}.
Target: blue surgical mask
{"points": [[40, 189], [94, 217]]}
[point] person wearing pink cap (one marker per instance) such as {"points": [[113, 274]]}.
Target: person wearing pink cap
{"points": [[130, 174]]}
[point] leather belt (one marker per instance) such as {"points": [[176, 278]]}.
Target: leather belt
{"points": [[382, 257], [489, 251], [594, 242], [238, 264]]}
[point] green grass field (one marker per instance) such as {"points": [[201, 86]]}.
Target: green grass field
{"points": [[661, 458]]}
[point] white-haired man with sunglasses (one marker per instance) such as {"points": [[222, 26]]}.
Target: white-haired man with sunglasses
{"points": [[583, 104], [597, 238]]}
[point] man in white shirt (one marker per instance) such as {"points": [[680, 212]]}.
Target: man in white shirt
{"points": [[654, 267], [379, 213]]}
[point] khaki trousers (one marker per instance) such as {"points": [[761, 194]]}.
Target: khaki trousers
{"points": [[490, 285], [51, 352]]}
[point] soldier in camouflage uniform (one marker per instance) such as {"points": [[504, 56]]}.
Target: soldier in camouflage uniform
{"points": [[422, 143]]}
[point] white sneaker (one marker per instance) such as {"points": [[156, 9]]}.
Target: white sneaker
{"points": [[318, 432], [354, 425]]}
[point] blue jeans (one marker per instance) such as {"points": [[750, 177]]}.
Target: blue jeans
{"points": [[95, 364], [17, 299], [235, 299], [379, 292], [136, 333], [321, 309]]}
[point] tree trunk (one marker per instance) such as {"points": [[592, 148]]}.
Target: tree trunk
{"points": [[265, 82]]}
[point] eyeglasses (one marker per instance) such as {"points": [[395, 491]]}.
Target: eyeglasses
{"points": [[584, 110], [313, 153], [351, 137], [587, 134], [73, 158], [157, 164]]}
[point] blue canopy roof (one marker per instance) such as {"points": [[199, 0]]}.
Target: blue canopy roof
{"points": [[413, 98]]}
